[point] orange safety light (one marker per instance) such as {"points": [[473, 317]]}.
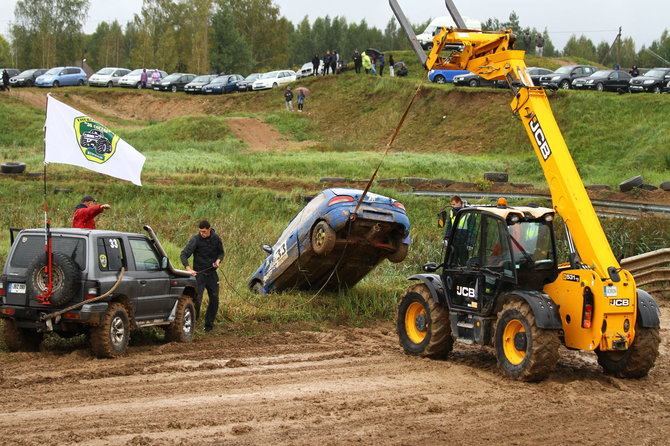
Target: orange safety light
{"points": [[502, 201]]}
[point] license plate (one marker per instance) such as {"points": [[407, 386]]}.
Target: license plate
{"points": [[18, 288], [611, 291]]}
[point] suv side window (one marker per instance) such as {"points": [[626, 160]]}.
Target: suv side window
{"points": [[145, 256], [110, 254]]}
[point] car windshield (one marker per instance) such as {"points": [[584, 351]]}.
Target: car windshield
{"points": [[172, 77], [563, 70], [654, 73], [205, 78], [54, 71], [252, 77], [106, 71], [307, 66], [27, 73], [135, 72], [270, 75], [220, 80], [601, 74]]}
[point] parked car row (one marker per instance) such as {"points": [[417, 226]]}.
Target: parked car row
{"points": [[580, 77]]}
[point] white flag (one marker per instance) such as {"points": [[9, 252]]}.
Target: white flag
{"points": [[74, 138]]}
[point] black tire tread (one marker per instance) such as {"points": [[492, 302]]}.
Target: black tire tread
{"points": [[638, 360], [174, 331], [543, 353], [70, 272], [441, 341], [99, 335], [329, 242]]}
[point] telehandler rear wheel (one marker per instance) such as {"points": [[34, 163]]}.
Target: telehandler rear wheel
{"points": [[523, 350], [423, 325], [637, 360]]}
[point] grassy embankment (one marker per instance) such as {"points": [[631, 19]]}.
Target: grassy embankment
{"points": [[450, 133]]}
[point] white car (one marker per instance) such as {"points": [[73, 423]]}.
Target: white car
{"points": [[132, 79], [273, 79], [107, 77], [308, 70]]}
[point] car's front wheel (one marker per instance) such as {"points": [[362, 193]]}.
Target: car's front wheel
{"points": [[323, 238], [56, 84], [275, 85], [110, 84], [439, 79], [80, 82], [473, 83], [173, 89], [657, 89], [110, 338], [183, 326], [600, 86], [564, 84]]}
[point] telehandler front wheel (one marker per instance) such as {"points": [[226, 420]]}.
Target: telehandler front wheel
{"points": [[523, 350], [637, 360], [423, 324]]}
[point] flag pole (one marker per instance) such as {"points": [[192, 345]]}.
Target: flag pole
{"points": [[46, 295]]}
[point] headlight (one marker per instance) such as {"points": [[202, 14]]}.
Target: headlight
{"points": [[590, 81], [458, 78], [555, 78], [648, 82]]}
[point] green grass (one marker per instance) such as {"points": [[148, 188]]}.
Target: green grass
{"points": [[196, 169]]}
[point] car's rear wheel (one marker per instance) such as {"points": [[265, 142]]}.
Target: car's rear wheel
{"points": [[56, 84], [473, 83], [439, 79], [600, 86], [20, 339], [110, 338], [323, 238]]}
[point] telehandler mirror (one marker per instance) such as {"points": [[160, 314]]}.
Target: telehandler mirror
{"points": [[441, 219], [431, 267]]}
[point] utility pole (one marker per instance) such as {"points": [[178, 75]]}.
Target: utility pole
{"points": [[618, 37]]}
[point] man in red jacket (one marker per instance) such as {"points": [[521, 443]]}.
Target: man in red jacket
{"points": [[85, 212]]}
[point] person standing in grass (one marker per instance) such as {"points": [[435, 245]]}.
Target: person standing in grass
{"points": [[316, 61], [381, 65], [86, 211], [5, 80], [358, 61], [288, 96], [143, 78], [301, 100], [367, 63], [391, 68], [539, 44], [206, 248]]}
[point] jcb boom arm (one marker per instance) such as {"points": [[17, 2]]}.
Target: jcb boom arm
{"points": [[490, 55]]}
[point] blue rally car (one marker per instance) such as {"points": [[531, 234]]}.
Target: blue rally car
{"points": [[326, 234]]}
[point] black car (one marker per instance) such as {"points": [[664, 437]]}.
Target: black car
{"points": [[652, 81], [226, 83], [174, 82], [245, 84], [603, 80], [196, 85], [26, 78], [105, 284], [563, 77], [474, 80]]}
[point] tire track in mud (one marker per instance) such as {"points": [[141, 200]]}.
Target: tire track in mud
{"points": [[340, 386]]}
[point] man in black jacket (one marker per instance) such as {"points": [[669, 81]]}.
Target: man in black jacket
{"points": [[207, 251], [358, 61], [315, 65]]}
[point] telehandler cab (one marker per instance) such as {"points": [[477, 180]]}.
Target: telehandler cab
{"points": [[501, 283]]}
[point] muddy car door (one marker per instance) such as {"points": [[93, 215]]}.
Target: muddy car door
{"points": [[153, 295]]}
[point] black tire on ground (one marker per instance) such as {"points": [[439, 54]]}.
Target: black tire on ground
{"points": [[183, 326], [65, 277], [275, 85], [423, 325], [13, 167], [637, 360], [110, 84], [600, 86], [110, 338], [648, 187], [657, 89], [630, 183], [56, 84], [20, 339], [523, 350], [473, 83], [29, 83], [665, 185], [173, 89], [257, 288], [565, 84], [440, 79], [323, 238], [498, 177], [80, 82], [399, 254], [138, 85]]}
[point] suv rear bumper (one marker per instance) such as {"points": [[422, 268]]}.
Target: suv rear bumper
{"points": [[29, 317]]}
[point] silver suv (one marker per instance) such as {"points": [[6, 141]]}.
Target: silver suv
{"points": [[104, 284]]}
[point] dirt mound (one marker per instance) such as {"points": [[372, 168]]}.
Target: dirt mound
{"points": [[339, 386]]}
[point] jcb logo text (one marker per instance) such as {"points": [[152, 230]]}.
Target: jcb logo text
{"points": [[465, 291], [619, 302], [540, 139]]}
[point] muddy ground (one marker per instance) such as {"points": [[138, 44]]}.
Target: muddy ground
{"points": [[338, 386]]}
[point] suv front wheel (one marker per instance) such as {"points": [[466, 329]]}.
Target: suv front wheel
{"points": [[110, 338], [183, 326]]}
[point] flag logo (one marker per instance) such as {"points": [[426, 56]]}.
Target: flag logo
{"points": [[97, 142]]}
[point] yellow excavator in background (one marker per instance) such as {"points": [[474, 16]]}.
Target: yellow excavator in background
{"points": [[501, 283]]}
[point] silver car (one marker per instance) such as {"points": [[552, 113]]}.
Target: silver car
{"points": [[132, 79], [108, 77]]}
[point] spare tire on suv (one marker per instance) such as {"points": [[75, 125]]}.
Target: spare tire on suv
{"points": [[65, 277]]}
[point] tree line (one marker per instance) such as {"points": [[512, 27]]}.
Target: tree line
{"points": [[204, 36]]}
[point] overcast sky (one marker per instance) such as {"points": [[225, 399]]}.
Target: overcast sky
{"points": [[643, 20]]}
